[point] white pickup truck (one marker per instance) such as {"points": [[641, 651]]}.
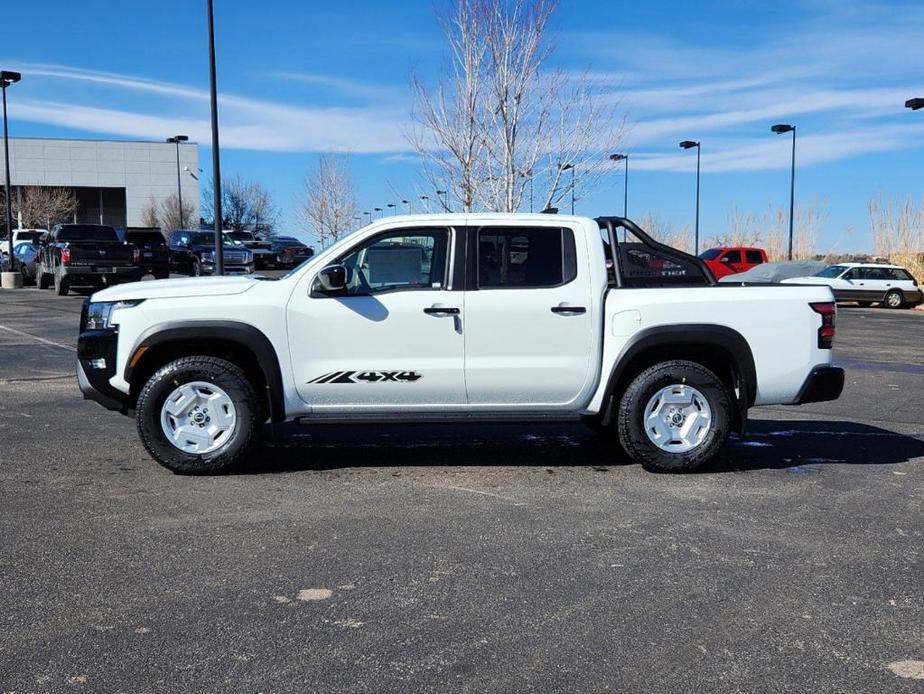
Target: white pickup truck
{"points": [[460, 317]]}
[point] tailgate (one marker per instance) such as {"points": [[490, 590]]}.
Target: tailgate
{"points": [[100, 254]]}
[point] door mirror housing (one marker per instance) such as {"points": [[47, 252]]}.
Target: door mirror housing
{"points": [[333, 279]]}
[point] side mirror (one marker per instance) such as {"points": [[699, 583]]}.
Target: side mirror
{"points": [[333, 278], [726, 259]]}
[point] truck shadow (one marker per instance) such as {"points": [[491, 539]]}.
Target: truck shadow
{"points": [[799, 446]]}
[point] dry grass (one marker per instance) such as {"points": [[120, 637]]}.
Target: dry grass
{"points": [[897, 228], [770, 230]]}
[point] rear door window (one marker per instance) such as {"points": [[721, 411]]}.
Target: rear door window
{"points": [[754, 257], [525, 258]]}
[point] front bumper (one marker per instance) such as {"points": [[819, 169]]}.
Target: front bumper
{"points": [[823, 384], [96, 363]]}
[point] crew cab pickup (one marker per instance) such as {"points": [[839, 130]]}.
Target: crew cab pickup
{"points": [[193, 253], [263, 254], [85, 254], [730, 260], [460, 317], [152, 245]]}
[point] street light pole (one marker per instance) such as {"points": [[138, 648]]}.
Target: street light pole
{"points": [[779, 129], [379, 209], [689, 144], [408, 203], [8, 77], [426, 200], [443, 197], [625, 193], [216, 160], [177, 139], [570, 167]]}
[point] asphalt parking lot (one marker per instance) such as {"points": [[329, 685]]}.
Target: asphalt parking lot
{"points": [[475, 558]]}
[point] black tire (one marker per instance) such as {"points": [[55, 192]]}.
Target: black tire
{"points": [[196, 269], [61, 283], [224, 374], [43, 279], [630, 419], [894, 299]]}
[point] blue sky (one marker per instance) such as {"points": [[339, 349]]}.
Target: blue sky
{"points": [[297, 78]]}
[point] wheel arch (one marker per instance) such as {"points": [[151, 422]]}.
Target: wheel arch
{"points": [[718, 347], [240, 343]]}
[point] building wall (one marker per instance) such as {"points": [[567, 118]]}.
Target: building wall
{"points": [[143, 169]]}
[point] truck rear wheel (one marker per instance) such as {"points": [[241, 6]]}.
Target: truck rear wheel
{"points": [[42, 279], [674, 416], [61, 283], [198, 415]]}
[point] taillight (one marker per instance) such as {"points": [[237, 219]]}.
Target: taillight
{"points": [[828, 310], [65, 256], [136, 256]]}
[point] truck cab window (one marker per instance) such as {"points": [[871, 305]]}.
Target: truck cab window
{"points": [[525, 258], [400, 260]]}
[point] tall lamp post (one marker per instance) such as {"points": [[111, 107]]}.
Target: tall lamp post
{"points": [[915, 104], [216, 161], [392, 206], [625, 194], [177, 139], [443, 197], [780, 129], [8, 77], [426, 202], [689, 144], [370, 216], [408, 204], [379, 209]]}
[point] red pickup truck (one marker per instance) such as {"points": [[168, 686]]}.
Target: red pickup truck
{"points": [[730, 260]]}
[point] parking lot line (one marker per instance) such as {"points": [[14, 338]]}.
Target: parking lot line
{"points": [[37, 338]]}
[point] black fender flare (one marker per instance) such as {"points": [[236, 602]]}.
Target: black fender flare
{"points": [[693, 335], [243, 334]]}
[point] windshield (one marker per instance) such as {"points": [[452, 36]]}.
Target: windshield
{"points": [[145, 237], [207, 238], [86, 232], [833, 271], [711, 254]]}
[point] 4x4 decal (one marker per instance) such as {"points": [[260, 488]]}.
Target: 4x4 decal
{"points": [[368, 377]]}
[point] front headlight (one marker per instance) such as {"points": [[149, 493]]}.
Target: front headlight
{"points": [[208, 256], [99, 314]]}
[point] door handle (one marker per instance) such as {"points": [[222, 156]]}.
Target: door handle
{"points": [[441, 311], [569, 310]]}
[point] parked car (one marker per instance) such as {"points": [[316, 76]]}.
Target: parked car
{"points": [[289, 251], [193, 253], [26, 255], [31, 235], [398, 322], [729, 260], [263, 255], [774, 273], [85, 254], [891, 286], [155, 255]]}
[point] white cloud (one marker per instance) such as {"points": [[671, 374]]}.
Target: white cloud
{"points": [[245, 123]]}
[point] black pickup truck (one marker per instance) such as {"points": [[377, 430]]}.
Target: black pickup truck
{"points": [[85, 254], [263, 255], [152, 244]]}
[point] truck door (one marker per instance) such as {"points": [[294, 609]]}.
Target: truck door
{"points": [[393, 340], [529, 332]]}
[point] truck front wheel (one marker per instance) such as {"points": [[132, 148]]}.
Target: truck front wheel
{"points": [[674, 416], [198, 415]]}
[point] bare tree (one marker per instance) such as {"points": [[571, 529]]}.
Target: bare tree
{"points": [[236, 199], [328, 204], [264, 215], [448, 129], [498, 121], [43, 206], [166, 214], [150, 213]]}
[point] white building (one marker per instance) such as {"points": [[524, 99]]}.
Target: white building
{"points": [[113, 179]]}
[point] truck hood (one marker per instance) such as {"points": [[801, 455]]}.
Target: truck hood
{"points": [[172, 289]]}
